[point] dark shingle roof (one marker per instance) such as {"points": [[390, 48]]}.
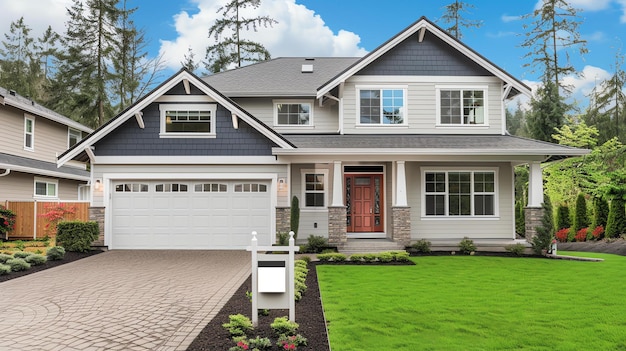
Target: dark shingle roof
{"points": [[280, 77], [29, 165]]}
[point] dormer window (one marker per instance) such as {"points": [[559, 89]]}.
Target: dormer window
{"points": [[382, 106], [462, 106], [188, 121]]}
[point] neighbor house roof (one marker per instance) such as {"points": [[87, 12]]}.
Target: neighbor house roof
{"points": [[280, 77], [29, 165], [11, 98]]}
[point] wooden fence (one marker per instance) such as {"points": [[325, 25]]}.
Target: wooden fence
{"points": [[30, 222]]}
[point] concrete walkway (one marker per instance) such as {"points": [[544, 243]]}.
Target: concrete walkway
{"points": [[120, 300]]}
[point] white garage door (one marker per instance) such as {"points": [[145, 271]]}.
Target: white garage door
{"points": [[211, 214]]}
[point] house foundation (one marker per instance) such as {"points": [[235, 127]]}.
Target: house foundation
{"points": [[283, 219], [337, 226], [401, 227], [97, 214], [533, 220]]}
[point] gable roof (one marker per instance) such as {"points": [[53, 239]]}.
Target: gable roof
{"points": [[424, 25], [11, 98], [280, 77], [164, 87]]}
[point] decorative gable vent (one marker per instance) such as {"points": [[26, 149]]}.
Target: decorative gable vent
{"points": [[307, 68]]}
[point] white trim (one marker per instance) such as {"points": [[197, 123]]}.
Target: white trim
{"points": [[461, 89], [187, 160], [428, 152], [47, 181], [303, 191], [311, 104], [409, 79], [212, 108], [39, 171], [29, 118], [338, 186], [198, 99], [381, 87], [69, 135], [535, 184], [109, 178], [139, 118], [472, 170]]}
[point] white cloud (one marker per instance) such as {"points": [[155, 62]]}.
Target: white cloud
{"points": [[299, 32], [38, 15], [506, 18], [593, 5]]}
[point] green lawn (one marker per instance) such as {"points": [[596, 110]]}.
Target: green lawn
{"points": [[477, 303]]}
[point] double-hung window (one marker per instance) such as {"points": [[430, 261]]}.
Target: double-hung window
{"points": [[293, 114], [460, 193], [188, 120], [386, 106], [74, 136], [314, 188], [462, 106], [29, 134]]}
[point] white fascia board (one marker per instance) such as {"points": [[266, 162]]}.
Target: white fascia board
{"points": [[408, 151], [153, 175], [186, 160], [48, 115], [38, 171]]}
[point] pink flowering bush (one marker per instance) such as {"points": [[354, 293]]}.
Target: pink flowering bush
{"points": [[7, 220], [561, 235]]}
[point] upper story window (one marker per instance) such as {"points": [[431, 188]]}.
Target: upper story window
{"points": [[462, 106], [29, 134], [460, 193], [385, 106], [46, 187], [188, 120], [287, 113], [74, 136]]}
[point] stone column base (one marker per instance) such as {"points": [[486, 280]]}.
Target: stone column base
{"points": [[97, 214], [533, 220], [337, 226], [283, 219], [401, 225]]}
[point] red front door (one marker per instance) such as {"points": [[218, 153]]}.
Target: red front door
{"points": [[364, 202]]}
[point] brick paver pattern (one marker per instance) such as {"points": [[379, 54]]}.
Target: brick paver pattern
{"points": [[120, 300]]}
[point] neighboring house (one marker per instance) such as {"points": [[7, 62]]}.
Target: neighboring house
{"points": [[406, 143], [32, 138]]}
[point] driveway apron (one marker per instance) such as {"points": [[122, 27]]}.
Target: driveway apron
{"points": [[120, 300]]}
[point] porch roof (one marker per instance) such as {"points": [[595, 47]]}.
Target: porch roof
{"points": [[29, 165], [426, 145]]}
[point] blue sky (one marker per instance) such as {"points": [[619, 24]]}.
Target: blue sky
{"points": [[353, 28]]}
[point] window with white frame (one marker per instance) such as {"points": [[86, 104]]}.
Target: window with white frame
{"points": [[74, 136], [46, 187], [314, 188], [460, 193], [171, 188], [29, 133], [462, 106], [386, 106], [188, 120], [289, 113]]}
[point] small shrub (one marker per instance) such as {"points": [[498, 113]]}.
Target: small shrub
{"points": [[4, 258], [305, 259], [385, 257], [55, 253], [283, 239], [4, 269], [283, 326], [401, 256], [516, 249], [466, 246], [19, 244], [291, 342], [356, 257], [76, 235], [18, 264], [315, 244], [21, 254], [597, 232], [339, 257], [581, 235], [260, 343], [562, 234], [36, 259], [422, 246], [369, 257], [238, 324], [325, 257]]}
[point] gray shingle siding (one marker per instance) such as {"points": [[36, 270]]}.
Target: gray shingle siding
{"points": [[130, 140], [431, 57]]}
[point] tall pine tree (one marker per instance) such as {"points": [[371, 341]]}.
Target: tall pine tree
{"points": [[454, 16], [547, 112], [16, 60]]}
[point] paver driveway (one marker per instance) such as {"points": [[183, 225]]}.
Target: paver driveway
{"points": [[120, 300]]}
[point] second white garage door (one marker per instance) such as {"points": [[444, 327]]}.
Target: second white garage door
{"points": [[212, 214]]}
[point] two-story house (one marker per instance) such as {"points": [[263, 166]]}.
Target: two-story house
{"points": [[406, 143], [32, 138]]}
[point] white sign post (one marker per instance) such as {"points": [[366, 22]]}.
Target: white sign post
{"points": [[273, 282]]}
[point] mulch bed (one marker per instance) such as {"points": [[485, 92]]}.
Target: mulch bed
{"points": [[309, 315], [69, 257]]}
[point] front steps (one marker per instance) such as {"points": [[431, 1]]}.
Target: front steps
{"points": [[353, 246]]}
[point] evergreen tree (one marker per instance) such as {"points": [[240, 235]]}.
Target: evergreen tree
{"points": [[580, 215], [520, 219], [547, 113], [295, 216], [189, 61], [616, 223], [563, 217], [16, 64], [453, 16], [235, 50], [545, 232], [600, 212]]}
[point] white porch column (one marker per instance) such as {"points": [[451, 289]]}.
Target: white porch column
{"points": [[337, 184], [400, 184], [535, 185]]}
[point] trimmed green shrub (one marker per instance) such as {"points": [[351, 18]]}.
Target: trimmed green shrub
{"points": [[4, 269], [260, 343], [422, 246], [545, 232], [283, 326], [305, 259], [466, 246], [332, 256], [339, 257], [369, 257], [295, 216], [4, 258], [21, 254], [55, 253], [520, 219], [385, 257], [563, 219], [356, 257], [580, 215], [400, 256], [315, 244], [600, 212], [76, 235], [18, 264], [616, 223], [516, 249], [238, 325], [283, 239], [326, 257], [36, 259]]}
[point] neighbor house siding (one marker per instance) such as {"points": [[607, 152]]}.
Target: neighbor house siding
{"points": [[18, 186], [500, 227]]}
